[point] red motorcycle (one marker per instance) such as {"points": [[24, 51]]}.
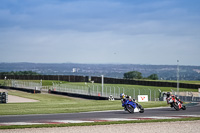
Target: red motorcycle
{"points": [[175, 102]]}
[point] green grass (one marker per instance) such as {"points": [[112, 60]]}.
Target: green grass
{"points": [[49, 104], [126, 86], [50, 82], [1, 82], [97, 123], [44, 82], [129, 88], [151, 87]]}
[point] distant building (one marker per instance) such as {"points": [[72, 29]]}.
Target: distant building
{"points": [[74, 70]]}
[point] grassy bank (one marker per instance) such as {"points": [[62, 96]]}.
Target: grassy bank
{"points": [[49, 104]]}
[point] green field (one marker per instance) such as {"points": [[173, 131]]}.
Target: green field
{"points": [[154, 93], [49, 104], [56, 82], [62, 83], [95, 89]]}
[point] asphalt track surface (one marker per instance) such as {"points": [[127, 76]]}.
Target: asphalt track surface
{"points": [[119, 114]]}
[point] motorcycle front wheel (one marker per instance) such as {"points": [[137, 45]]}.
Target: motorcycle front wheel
{"points": [[183, 107], [130, 109], [176, 107], [141, 109]]}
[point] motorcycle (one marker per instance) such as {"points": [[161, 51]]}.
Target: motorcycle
{"points": [[131, 106], [175, 103]]}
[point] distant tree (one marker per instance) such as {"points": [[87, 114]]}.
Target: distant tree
{"points": [[153, 77], [19, 73], [133, 75]]}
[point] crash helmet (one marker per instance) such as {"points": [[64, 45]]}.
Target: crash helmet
{"points": [[122, 95], [168, 94]]}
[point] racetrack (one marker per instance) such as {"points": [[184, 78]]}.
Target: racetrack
{"points": [[164, 127], [156, 113]]}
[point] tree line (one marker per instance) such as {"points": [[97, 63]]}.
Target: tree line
{"points": [[19, 73], [138, 75]]}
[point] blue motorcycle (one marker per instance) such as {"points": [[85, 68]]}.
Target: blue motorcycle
{"points": [[132, 106]]}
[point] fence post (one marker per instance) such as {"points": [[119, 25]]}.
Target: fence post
{"points": [[160, 95], [110, 90], [93, 89], [119, 90], [88, 90], [106, 91], [97, 90], [114, 92], [102, 82], [150, 94]]}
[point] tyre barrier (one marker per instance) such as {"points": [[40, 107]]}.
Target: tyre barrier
{"points": [[3, 97]]}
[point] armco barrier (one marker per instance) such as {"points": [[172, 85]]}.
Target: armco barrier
{"points": [[189, 99], [21, 89]]}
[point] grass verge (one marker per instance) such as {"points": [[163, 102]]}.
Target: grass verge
{"points": [[97, 123], [50, 104]]}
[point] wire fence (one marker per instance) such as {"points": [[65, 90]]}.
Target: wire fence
{"points": [[107, 90], [90, 89], [23, 84]]}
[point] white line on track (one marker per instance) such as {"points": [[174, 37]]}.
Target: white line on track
{"points": [[95, 120]]}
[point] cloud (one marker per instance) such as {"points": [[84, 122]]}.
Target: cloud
{"points": [[147, 32]]}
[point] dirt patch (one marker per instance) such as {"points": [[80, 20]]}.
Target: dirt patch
{"points": [[16, 99]]}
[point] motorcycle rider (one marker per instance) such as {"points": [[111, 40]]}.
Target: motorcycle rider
{"points": [[123, 98], [169, 97]]}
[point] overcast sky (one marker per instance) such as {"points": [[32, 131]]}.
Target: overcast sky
{"points": [[158, 32]]}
